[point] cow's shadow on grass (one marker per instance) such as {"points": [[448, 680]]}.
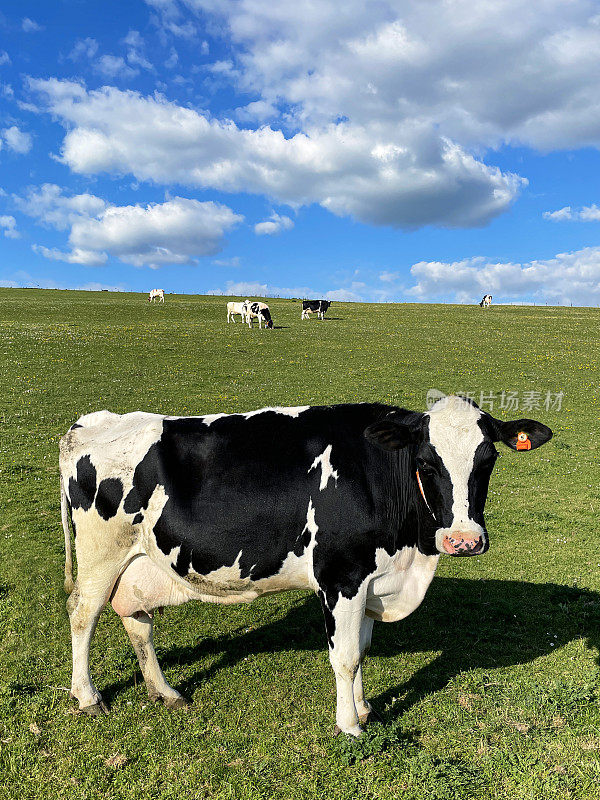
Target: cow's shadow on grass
{"points": [[472, 624]]}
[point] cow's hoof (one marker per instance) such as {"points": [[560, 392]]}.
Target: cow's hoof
{"points": [[354, 732], [177, 702], [96, 710], [369, 717]]}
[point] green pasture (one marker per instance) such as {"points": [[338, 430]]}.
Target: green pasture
{"points": [[490, 690]]}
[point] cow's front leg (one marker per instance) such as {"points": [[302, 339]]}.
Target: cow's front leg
{"points": [[343, 624], [363, 707], [139, 629]]}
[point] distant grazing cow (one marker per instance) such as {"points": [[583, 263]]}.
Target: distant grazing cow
{"points": [[157, 294], [261, 312], [354, 502], [486, 302], [314, 306], [237, 308]]}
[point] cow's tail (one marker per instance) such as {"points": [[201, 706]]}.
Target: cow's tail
{"points": [[64, 513]]}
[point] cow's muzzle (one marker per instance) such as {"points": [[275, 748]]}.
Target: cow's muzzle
{"points": [[463, 544]]}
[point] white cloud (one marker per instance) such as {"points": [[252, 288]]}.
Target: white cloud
{"points": [[30, 25], [345, 295], [89, 258], [234, 261], [437, 63], [389, 277], [52, 208], [136, 58], [559, 215], [567, 278], [134, 39], [4, 58], [275, 224], [9, 224], [22, 280], [178, 231], [111, 67], [585, 214], [257, 289], [84, 48], [169, 17], [135, 51], [590, 213], [257, 111], [400, 175], [17, 140], [172, 60]]}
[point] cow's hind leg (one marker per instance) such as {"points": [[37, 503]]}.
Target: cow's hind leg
{"points": [[84, 610], [102, 552], [139, 629]]}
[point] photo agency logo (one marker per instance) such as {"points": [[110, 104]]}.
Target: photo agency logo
{"points": [[506, 400]]}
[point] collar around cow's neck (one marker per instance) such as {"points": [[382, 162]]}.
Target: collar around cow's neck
{"points": [[423, 495]]}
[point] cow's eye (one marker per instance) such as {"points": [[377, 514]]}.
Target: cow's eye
{"points": [[426, 467]]}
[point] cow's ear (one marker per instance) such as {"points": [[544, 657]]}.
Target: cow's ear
{"points": [[390, 435], [522, 434]]}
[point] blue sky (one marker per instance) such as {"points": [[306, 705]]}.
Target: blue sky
{"points": [[378, 150]]}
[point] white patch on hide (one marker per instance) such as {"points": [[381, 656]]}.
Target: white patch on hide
{"points": [[208, 419], [226, 574], [288, 411], [327, 470], [291, 411]]}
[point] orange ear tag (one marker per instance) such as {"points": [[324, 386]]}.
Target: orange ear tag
{"points": [[523, 441]]}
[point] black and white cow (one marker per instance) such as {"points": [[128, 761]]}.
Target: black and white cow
{"points": [[486, 301], [318, 307], [261, 312], [355, 502]]}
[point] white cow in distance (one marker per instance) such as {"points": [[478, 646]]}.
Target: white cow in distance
{"points": [[486, 301], [156, 294], [237, 308]]}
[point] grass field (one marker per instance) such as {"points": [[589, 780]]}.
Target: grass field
{"points": [[490, 690]]}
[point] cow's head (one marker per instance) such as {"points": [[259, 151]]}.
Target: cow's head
{"points": [[454, 455]]}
